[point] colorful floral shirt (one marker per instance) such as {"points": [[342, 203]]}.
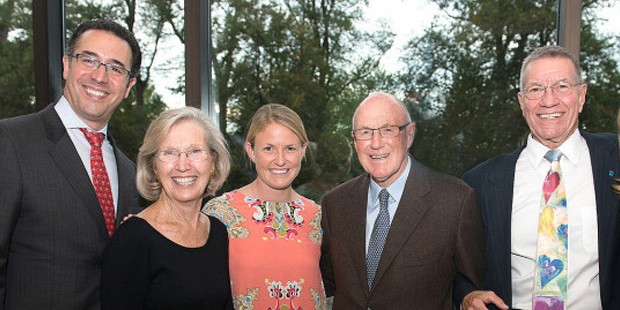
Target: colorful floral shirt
{"points": [[274, 251]]}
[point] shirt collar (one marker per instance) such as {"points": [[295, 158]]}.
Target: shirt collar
{"points": [[395, 189], [70, 119], [535, 151]]}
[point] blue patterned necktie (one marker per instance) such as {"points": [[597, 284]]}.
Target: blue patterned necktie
{"points": [[377, 238], [550, 275]]}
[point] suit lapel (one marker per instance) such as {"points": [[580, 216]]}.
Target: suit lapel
{"points": [[358, 200], [603, 162], [125, 183], [604, 158], [500, 209], [411, 209], [504, 184], [64, 154]]}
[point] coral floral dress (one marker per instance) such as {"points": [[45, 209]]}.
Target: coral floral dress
{"points": [[274, 251]]}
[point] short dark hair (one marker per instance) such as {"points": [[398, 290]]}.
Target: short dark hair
{"points": [[115, 29]]}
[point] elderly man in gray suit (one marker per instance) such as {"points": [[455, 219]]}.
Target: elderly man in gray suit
{"points": [[401, 235], [65, 184]]}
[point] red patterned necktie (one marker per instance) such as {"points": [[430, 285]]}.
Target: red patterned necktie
{"points": [[100, 178]]}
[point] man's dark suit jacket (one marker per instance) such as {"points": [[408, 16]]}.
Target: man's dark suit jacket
{"points": [[435, 234], [493, 181], [52, 229]]}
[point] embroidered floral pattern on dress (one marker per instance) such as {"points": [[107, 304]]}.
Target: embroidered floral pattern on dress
{"points": [[286, 235], [284, 295], [279, 218], [220, 208], [319, 304], [246, 301], [316, 234]]}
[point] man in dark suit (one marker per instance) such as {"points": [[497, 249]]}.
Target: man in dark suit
{"points": [[510, 187], [52, 228], [403, 252]]}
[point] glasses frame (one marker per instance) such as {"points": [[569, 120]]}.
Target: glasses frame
{"points": [[178, 153], [527, 94], [381, 131], [97, 63]]}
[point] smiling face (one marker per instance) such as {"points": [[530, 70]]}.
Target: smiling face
{"points": [[384, 159], [277, 154], [95, 94], [184, 181], [552, 119]]}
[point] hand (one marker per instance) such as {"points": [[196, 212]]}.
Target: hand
{"points": [[477, 300], [126, 217]]}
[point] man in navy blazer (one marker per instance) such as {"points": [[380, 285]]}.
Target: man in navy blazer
{"points": [[509, 189], [52, 229]]}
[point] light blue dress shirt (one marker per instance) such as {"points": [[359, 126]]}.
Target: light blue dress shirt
{"points": [[372, 204]]}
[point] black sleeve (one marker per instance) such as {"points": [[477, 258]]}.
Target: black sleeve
{"points": [[229, 305], [125, 278]]}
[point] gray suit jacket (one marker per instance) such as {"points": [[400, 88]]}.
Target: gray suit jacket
{"points": [[435, 234], [494, 182], [52, 230]]}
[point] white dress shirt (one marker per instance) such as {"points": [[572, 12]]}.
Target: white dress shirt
{"points": [[583, 271], [73, 123]]}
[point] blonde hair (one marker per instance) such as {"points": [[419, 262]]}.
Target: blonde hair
{"points": [[148, 185], [279, 114]]}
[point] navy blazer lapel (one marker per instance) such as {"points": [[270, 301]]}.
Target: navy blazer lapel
{"points": [[411, 209], [493, 181], [358, 199], [500, 210], [604, 163], [65, 156], [604, 158]]}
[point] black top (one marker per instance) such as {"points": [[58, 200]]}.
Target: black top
{"points": [[142, 269]]}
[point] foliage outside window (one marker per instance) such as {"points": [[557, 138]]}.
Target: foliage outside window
{"points": [[459, 79]]}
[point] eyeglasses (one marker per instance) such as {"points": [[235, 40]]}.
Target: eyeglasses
{"points": [[385, 132], [172, 156], [91, 63], [560, 89]]}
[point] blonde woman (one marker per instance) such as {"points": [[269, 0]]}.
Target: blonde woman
{"points": [[274, 232]]}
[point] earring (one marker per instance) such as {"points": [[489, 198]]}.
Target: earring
{"points": [[212, 172]]}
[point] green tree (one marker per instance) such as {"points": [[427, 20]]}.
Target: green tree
{"points": [[303, 54], [16, 66], [466, 77], [132, 118]]}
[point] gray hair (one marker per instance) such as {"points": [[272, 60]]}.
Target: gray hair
{"points": [[550, 51], [148, 185]]}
